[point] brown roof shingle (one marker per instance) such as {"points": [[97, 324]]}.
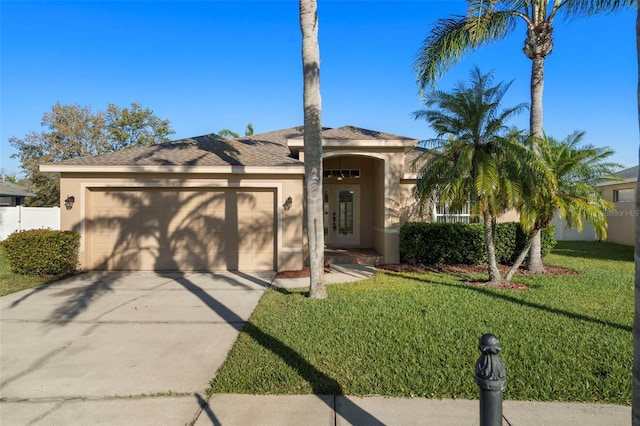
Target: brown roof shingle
{"points": [[207, 150], [357, 133], [339, 133], [264, 149]]}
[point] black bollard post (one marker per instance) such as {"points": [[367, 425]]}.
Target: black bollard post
{"points": [[491, 377]]}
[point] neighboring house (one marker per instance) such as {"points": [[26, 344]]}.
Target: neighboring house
{"points": [[210, 203], [12, 195], [622, 194]]}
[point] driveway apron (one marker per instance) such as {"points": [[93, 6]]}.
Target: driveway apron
{"points": [[127, 348]]}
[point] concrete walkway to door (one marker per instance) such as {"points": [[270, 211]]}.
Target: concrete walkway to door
{"points": [[119, 348]]}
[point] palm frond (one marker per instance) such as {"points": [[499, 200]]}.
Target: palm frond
{"points": [[572, 9], [452, 37]]}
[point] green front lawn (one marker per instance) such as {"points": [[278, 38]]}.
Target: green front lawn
{"points": [[10, 282], [568, 338]]}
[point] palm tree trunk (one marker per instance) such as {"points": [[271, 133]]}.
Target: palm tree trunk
{"points": [[635, 408], [536, 130], [521, 257], [313, 146], [494, 272]]}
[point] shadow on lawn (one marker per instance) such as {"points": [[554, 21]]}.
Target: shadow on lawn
{"points": [[594, 250], [489, 292], [321, 383]]}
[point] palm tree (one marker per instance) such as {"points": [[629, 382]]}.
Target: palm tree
{"points": [[227, 133], [474, 157], [488, 21], [313, 146], [574, 171]]}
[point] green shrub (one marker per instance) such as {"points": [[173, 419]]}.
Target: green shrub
{"points": [[42, 252], [453, 243]]}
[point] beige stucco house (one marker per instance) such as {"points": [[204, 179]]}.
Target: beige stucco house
{"points": [[210, 203], [621, 222]]}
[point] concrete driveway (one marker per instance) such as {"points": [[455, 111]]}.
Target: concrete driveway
{"points": [[119, 348]]}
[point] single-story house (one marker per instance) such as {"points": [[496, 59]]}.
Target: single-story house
{"points": [[622, 194], [12, 195], [210, 203]]}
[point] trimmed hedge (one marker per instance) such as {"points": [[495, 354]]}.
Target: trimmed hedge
{"points": [[42, 252], [454, 243]]}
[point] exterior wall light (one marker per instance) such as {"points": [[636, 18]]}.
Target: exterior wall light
{"points": [[68, 202], [287, 204]]}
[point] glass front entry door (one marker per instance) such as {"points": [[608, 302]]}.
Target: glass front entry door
{"points": [[341, 214]]}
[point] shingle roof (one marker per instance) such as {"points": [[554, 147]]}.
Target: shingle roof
{"points": [[264, 149], [207, 150], [357, 133], [13, 190], [339, 133], [629, 174]]}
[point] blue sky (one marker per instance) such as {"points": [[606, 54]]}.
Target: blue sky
{"points": [[208, 65]]}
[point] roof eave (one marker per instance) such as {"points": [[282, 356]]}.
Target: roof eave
{"points": [[294, 169]]}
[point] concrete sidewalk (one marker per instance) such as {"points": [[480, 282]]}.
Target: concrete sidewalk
{"points": [[337, 274], [294, 410]]}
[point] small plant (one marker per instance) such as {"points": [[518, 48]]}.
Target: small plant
{"points": [[42, 252]]}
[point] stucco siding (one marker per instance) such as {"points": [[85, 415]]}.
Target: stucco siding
{"points": [[178, 197], [621, 222]]}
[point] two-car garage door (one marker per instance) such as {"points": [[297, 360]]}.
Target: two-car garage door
{"points": [[180, 229]]}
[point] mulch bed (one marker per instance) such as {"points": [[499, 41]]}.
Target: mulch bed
{"points": [[464, 271]]}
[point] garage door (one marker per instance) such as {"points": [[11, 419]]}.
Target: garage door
{"points": [[187, 230]]}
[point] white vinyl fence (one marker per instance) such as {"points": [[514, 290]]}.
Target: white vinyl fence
{"points": [[20, 218], [564, 233]]}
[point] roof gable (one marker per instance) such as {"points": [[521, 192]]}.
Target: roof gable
{"points": [[357, 133]]}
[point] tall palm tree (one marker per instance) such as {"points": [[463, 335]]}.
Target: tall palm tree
{"points": [[313, 146], [574, 170], [488, 21], [474, 157], [228, 133]]}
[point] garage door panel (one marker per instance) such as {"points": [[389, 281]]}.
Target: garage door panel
{"points": [[160, 229]]}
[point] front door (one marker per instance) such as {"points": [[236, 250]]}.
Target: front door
{"points": [[341, 215]]}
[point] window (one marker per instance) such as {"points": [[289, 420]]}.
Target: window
{"points": [[443, 214], [5, 201], [623, 195]]}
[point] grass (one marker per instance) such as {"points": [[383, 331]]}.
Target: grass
{"points": [[568, 338], [11, 282]]}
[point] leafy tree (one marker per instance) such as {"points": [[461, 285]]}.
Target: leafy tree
{"points": [[77, 131], [475, 157], [313, 146], [8, 177], [226, 133], [575, 170], [136, 126], [488, 21]]}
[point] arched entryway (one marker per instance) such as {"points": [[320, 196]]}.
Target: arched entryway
{"points": [[354, 203]]}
